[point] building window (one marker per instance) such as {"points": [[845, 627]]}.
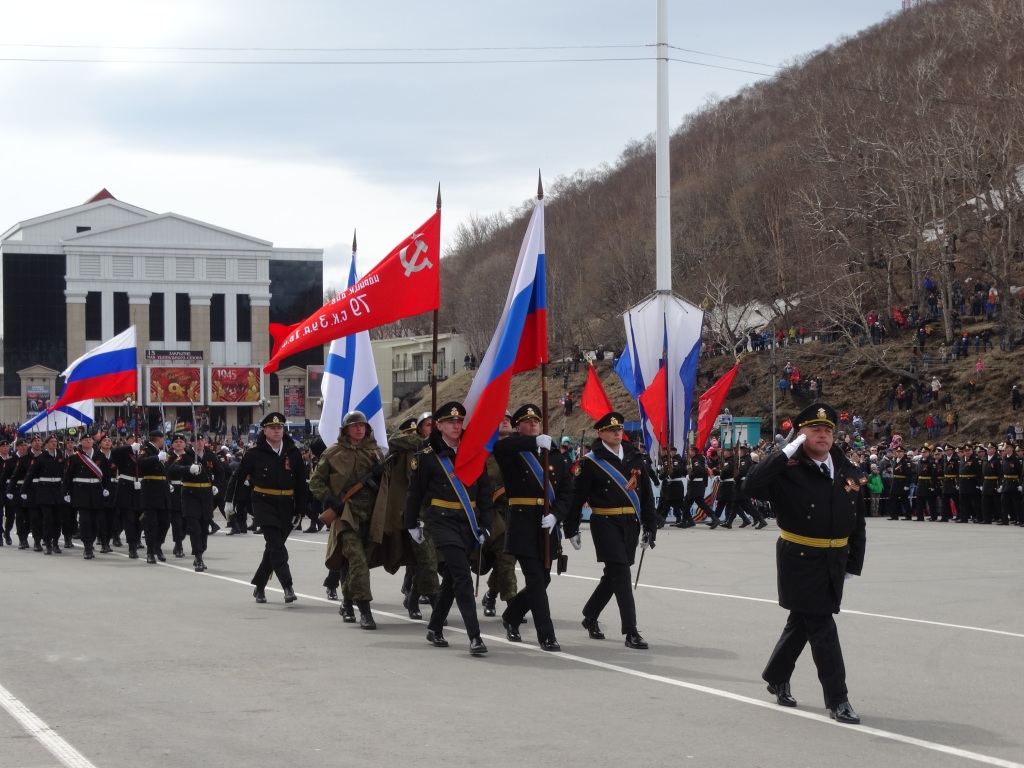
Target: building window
{"points": [[243, 317], [121, 313], [217, 320], [156, 317], [94, 316], [183, 317], [79, 230]]}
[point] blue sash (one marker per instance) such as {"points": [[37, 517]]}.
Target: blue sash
{"points": [[620, 481], [91, 465], [461, 492], [538, 473]]}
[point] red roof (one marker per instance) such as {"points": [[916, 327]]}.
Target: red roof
{"points": [[101, 195]]}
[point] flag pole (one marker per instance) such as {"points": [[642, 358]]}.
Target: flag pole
{"points": [[545, 459], [433, 363]]}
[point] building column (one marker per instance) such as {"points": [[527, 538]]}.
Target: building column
{"points": [[259, 310], [199, 305], [75, 300], [138, 315]]}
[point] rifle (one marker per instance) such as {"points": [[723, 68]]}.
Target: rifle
{"points": [[329, 514]]}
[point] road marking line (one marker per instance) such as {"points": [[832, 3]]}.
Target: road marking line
{"points": [[42, 733]]}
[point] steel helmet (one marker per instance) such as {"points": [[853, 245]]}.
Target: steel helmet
{"points": [[354, 417]]}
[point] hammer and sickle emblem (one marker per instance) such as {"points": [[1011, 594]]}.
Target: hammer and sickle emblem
{"points": [[410, 263]]}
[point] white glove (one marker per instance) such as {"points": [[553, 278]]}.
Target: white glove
{"points": [[847, 576], [246, 483], [229, 507], [105, 493], [171, 486], [214, 489], [10, 495], [544, 442], [791, 447], [24, 497], [67, 499], [483, 537], [138, 485], [416, 534], [195, 469], [136, 447], [576, 543], [548, 521], [162, 456]]}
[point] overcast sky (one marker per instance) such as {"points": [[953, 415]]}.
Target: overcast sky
{"points": [[302, 146]]}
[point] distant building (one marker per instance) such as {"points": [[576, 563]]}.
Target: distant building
{"points": [[201, 298], [403, 366]]}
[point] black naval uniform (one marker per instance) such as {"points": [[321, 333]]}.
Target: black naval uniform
{"points": [[176, 518], [729, 491], [671, 474], [991, 467], [86, 489], [197, 496], [899, 496], [155, 498], [277, 484], [949, 467], [696, 485], [8, 509], [1010, 496], [128, 495], [614, 527], [925, 496], [969, 483], [524, 537], [743, 467], [16, 489], [822, 539], [43, 490], [450, 529]]}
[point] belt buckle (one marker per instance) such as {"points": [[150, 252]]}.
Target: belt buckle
{"points": [[540, 502], [833, 542]]}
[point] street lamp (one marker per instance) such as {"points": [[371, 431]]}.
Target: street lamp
{"points": [[129, 405], [773, 369]]}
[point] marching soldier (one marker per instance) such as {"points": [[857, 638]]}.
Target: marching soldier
{"points": [[177, 519], [815, 492], [728, 491], [1009, 489], [527, 527], [697, 481], [671, 474], [459, 519], [42, 491], [742, 468], [8, 511], [85, 485], [354, 458], [16, 487], [275, 475], [991, 480], [501, 581], [155, 495], [969, 482], [949, 467], [899, 501], [199, 473], [128, 491], [114, 526], [611, 478]]}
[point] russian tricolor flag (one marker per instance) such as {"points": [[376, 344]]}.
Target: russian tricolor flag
{"points": [[520, 344], [108, 370]]}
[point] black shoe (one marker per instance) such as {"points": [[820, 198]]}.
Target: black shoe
{"points": [[133, 553], [87, 555], [150, 558], [105, 550], [633, 640], [550, 644], [412, 604], [745, 523], [425, 600], [56, 549], [714, 523], [477, 647], [782, 694], [7, 538], [727, 526], [436, 639], [680, 524], [289, 595], [843, 713], [48, 550], [198, 565], [365, 617], [332, 593], [23, 544], [232, 532], [160, 556], [312, 528], [348, 614], [593, 628], [38, 547], [214, 528], [760, 525], [512, 632], [488, 603], [179, 551], [68, 543], [116, 541], [260, 595]]}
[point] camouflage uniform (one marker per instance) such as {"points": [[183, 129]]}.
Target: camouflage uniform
{"points": [[502, 579]]}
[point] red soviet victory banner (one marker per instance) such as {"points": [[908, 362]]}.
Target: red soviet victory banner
{"points": [[710, 405], [406, 282], [594, 402], [654, 399]]}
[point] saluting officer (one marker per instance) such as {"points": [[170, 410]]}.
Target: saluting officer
{"points": [[815, 492], [459, 518], [611, 479], [275, 475], [526, 526]]}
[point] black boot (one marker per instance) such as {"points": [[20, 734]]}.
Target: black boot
{"points": [[348, 615], [488, 603], [179, 551], [365, 617], [412, 604], [289, 595], [68, 543], [56, 547]]}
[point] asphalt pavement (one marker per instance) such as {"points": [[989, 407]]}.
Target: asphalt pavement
{"points": [[111, 662]]}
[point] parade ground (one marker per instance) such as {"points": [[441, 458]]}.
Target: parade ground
{"points": [[115, 663]]}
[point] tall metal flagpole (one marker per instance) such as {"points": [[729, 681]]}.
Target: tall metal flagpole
{"points": [[663, 227], [545, 459], [433, 363]]}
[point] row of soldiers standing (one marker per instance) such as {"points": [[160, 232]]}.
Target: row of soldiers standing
{"points": [[983, 483], [50, 491]]}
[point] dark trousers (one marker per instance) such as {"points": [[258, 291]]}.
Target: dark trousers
{"points": [[156, 523], [614, 581], [10, 516], [64, 519], [947, 506], [333, 579], [91, 521], [198, 532], [45, 526], [696, 496], [23, 518], [130, 520], [820, 631], [990, 509], [456, 586], [931, 503], [533, 597], [753, 512], [968, 507], [1010, 505], [275, 557], [899, 507], [177, 526]]}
